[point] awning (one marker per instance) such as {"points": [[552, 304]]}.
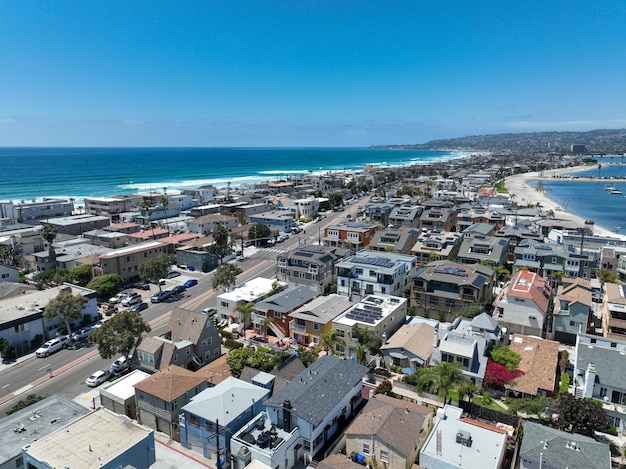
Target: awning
{"points": [[398, 355], [417, 360]]}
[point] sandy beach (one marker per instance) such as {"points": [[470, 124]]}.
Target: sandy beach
{"points": [[525, 194]]}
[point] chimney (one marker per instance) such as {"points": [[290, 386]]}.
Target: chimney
{"points": [[287, 415]]}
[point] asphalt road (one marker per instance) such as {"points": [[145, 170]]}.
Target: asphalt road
{"points": [[65, 371]]}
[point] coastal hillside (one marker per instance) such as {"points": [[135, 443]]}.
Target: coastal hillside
{"points": [[595, 141]]}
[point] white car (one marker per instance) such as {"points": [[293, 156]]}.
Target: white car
{"points": [[53, 345], [98, 378], [131, 299], [120, 364]]}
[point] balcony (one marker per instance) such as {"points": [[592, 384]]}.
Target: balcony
{"points": [[297, 327]]}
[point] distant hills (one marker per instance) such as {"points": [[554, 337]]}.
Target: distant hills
{"points": [[595, 141]]}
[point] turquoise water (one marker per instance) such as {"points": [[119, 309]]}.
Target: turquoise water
{"points": [[77, 172], [590, 200]]}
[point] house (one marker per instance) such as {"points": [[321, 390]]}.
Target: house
{"points": [[380, 315], [486, 250], [33, 423], [189, 341], [96, 442], [436, 245], [275, 379], [572, 312], [600, 373], [389, 430], [523, 303], [305, 208], [21, 317], [69, 254], [352, 235], [305, 414], [438, 218], [539, 363], [204, 225], [107, 239], [398, 240], [614, 311], [9, 273], [281, 220], [410, 347], [208, 422], [545, 446], [33, 212], [315, 318], [277, 307], [125, 261], [313, 266], [477, 229], [554, 261], [406, 215], [372, 272], [252, 291], [468, 350], [119, 396], [378, 212], [76, 225], [161, 396], [201, 259], [460, 441], [444, 289], [242, 211], [216, 371], [113, 207]]}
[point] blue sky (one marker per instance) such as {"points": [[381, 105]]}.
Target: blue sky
{"points": [[305, 73]]}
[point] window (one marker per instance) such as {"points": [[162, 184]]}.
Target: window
{"points": [[358, 271], [316, 326], [384, 456], [307, 445], [193, 420], [366, 449]]}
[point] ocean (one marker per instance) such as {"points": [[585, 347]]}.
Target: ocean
{"points": [[29, 173], [589, 199]]}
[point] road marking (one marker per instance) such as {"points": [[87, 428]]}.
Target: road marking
{"points": [[6, 386], [28, 387], [45, 367]]}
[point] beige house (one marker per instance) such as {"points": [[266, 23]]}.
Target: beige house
{"points": [[390, 431], [126, 261], [161, 397], [539, 361]]}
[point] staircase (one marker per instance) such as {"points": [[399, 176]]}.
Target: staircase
{"points": [[277, 331]]}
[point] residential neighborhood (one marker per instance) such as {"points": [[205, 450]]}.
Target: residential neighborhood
{"points": [[338, 320]]}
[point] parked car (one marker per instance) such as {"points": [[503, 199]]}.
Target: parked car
{"points": [[101, 322], [51, 346], [139, 306], [131, 299], [141, 286], [178, 289], [161, 296], [120, 364], [82, 334], [209, 310], [118, 298], [173, 274], [190, 283], [98, 378]]}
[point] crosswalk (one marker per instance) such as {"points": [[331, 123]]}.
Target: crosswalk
{"points": [[276, 250]]}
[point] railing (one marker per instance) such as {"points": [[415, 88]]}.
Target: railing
{"points": [[146, 407], [296, 327]]}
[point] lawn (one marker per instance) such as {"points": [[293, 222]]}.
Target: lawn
{"points": [[500, 188], [492, 404]]}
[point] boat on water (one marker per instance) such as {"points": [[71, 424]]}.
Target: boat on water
{"points": [[610, 188], [616, 192]]}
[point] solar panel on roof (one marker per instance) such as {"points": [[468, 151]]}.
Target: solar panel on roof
{"points": [[479, 282], [304, 254]]}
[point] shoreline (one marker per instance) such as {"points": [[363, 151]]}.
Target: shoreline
{"points": [[518, 186]]}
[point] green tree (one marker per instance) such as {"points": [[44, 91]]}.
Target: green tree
{"points": [[336, 199], [49, 233], [266, 323], [329, 341], [306, 355], [10, 255], [120, 334], [51, 277], [607, 276], [155, 269], [66, 307], [466, 388], [80, 275], [5, 346], [564, 386], [584, 416], [505, 356], [23, 403], [164, 203], [225, 276], [237, 359], [260, 232], [220, 236], [106, 285], [246, 313], [441, 378]]}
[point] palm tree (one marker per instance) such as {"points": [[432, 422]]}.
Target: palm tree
{"points": [[49, 233], [466, 388], [165, 201], [220, 236], [329, 341], [246, 313], [441, 378], [266, 323]]}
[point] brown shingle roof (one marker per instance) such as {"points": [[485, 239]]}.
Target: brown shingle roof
{"points": [[170, 383], [395, 422], [216, 371], [539, 361]]}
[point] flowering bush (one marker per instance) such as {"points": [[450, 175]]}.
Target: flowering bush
{"points": [[497, 376]]}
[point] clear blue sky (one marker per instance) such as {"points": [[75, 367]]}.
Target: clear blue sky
{"points": [[305, 73]]}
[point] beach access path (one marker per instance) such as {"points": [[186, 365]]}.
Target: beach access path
{"points": [[518, 186]]}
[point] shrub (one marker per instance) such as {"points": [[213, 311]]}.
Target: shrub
{"points": [[232, 344], [565, 380]]}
